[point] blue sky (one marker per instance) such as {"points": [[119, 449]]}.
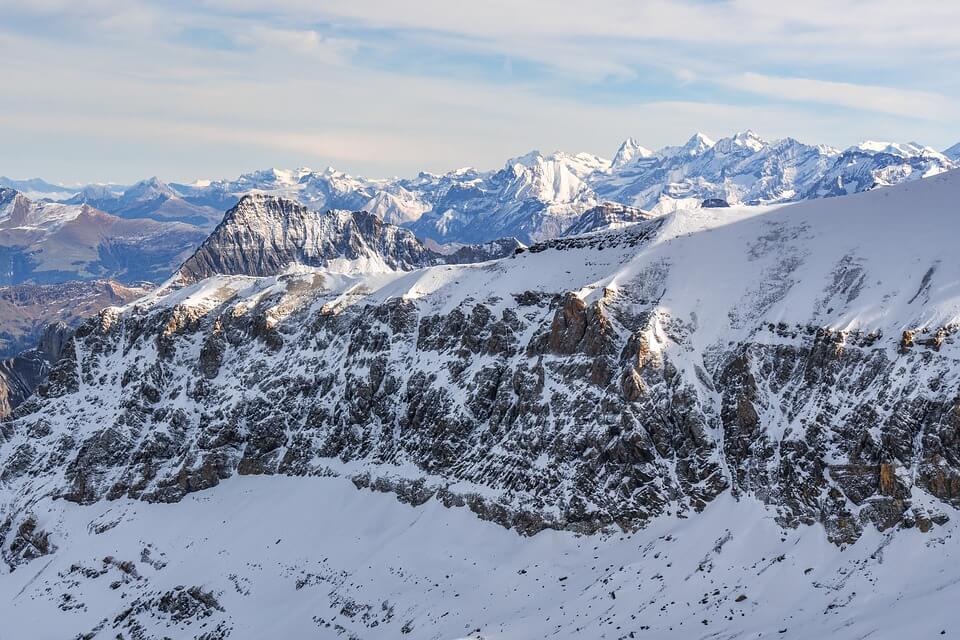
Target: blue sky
{"points": [[117, 90]]}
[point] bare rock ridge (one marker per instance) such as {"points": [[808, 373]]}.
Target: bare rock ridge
{"points": [[263, 235], [606, 216]]}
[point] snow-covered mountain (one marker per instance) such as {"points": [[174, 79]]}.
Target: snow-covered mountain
{"points": [[953, 152], [156, 200], [877, 164], [536, 197], [628, 152], [742, 398]]}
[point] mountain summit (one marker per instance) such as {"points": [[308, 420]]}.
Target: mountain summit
{"points": [[264, 235]]}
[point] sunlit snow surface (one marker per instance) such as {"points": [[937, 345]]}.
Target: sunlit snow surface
{"points": [[316, 558]]}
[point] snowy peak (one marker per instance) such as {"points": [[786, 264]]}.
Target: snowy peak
{"points": [[629, 150], [19, 214], [696, 145], [528, 160], [95, 194], [148, 190], [899, 149], [271, 179], [397, 206], [747, 140], [953, 152]]}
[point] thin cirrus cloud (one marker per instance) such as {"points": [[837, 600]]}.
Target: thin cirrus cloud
{"points": [[210, 87], [898, 102]]}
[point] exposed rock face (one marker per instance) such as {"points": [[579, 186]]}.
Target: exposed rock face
{"points": [[569, 410], [714, 203], [482, 252], [22, 374], [608, 215], [263, 235]]}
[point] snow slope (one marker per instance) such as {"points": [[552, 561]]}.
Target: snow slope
{"points": [[313, 557]]}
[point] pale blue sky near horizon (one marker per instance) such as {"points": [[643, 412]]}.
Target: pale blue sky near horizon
{"points": [[118, 90]]}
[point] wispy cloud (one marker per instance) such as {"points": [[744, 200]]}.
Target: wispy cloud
{"points": [[186, 88], [899, 102]]}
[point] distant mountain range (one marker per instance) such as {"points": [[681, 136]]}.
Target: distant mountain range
{"points": [[533, 197], [47, 242]]}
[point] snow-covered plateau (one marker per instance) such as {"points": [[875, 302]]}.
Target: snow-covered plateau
{"points": [[729, 422]]}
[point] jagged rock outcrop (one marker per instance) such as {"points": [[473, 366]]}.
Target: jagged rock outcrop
{"points": [[606, 216], [264, 235]]}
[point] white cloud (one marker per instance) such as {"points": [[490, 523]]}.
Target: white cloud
{"points": [[900, 102], [299, 41], [116, 83]]}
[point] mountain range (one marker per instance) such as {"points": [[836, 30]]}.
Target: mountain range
{"points": [[537, 197], [319, 427], [46, 242]]}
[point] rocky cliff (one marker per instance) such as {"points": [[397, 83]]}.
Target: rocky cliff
{"points": [[264, 235], [803, 356], [606, 216]]}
